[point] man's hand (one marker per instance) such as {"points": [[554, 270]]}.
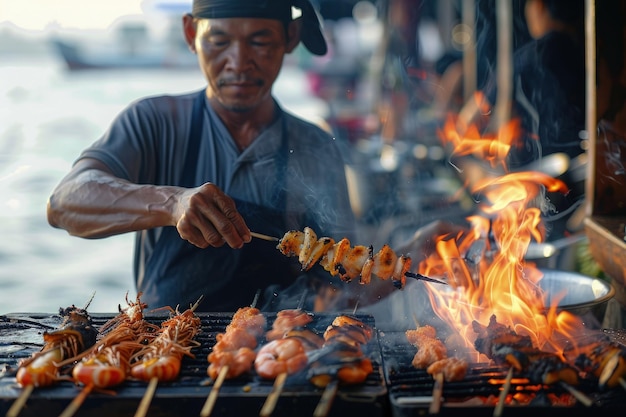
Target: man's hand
{"points": [[208, 217]]}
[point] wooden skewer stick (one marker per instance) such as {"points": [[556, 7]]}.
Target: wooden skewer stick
{"points": [[497, 412], [217, 385], [586, 401], [264, 237], [73, 407], [435, 405], [17, 406], [142, 410], [210, 401], [326, 401], [272, 398]]}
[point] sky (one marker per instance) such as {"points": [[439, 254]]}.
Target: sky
{"points": [[40, 15]]}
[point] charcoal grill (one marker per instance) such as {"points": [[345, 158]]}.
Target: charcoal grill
{"points": [[411, 390], [21, 335]]}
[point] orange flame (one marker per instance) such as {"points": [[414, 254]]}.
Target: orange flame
{"points": [[500, 283]]}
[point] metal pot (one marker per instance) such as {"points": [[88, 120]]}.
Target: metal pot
{"points": [[584, 296]]}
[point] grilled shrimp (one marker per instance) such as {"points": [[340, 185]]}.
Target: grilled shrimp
{"points": [[238, 361], [280, 356], [287, 320], [162, 358]]}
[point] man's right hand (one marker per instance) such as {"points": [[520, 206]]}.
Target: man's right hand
{"points": [[208, 217]]}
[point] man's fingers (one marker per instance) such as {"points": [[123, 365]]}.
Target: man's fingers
{"points": [[236, 224], [211, 218]]}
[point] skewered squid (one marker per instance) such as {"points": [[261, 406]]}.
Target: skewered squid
{"points": [[342, 259]]}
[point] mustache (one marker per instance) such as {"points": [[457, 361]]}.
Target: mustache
{"points": [[239, 79]]}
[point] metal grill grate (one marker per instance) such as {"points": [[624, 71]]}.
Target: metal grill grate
{"points": [[411, 390], [20, 336]]}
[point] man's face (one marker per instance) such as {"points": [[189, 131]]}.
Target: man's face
{"points": [[240, 58]]}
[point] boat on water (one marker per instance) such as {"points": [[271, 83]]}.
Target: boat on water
{"points": [[153, 39], [131, 44]]}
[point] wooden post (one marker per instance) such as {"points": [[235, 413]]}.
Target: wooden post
{"points": [[591, 106], [469, 49], [504, 24]]}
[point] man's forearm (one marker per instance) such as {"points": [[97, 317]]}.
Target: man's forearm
{"points": [[94, 204]]}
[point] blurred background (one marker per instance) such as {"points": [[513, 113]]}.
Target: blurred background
{"points": [[66, 69]]}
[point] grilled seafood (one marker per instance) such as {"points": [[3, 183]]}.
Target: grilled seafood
{"points": [[503, 345], [343, 362], [75, 334], [286, 320], [605, 360], [339, 258], [452, 368], [310, 340], [341, 357], [429, 348], [161, 359], [107, 363], [234, 349], [432, 354], [280, 356]]}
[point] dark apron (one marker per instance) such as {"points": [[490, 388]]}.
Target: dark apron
{"points": [[178, 273]]}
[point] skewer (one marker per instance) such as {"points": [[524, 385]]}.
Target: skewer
{"points": [[212, 398], [73, 407], [279, 382], [215, 390], [424, 278], [609, 369], [330, 390], [264, 237], [18, 404], [586, 401], [142, 410], [497, 412], [435, 405], [326, 401], [272, 398]]}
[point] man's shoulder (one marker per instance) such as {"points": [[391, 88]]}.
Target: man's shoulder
{"points": [[166, 102], [306, 128]]}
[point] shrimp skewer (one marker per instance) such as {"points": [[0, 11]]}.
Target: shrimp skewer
{"points": [[107, 363], [161, 360], [342, 356], [75, 334], [340, 359], [288, 324], [276, 360], [233, 353], [432, 355]]}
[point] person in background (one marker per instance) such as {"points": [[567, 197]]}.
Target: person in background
{"points": [[193, 174], [548, 99]]}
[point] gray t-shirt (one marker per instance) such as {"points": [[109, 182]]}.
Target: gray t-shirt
{"points": [[148, 143]]}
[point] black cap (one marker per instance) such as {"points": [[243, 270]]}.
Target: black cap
{"points": [[311, 36], [311, 33]]}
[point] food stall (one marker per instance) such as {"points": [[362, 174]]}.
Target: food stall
{"points": [[579, 368]]}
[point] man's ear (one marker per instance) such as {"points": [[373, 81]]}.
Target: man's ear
{"points": [[190, 29], [293, 34]]}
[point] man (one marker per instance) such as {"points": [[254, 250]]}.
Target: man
{"points": [[193, 174]]}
